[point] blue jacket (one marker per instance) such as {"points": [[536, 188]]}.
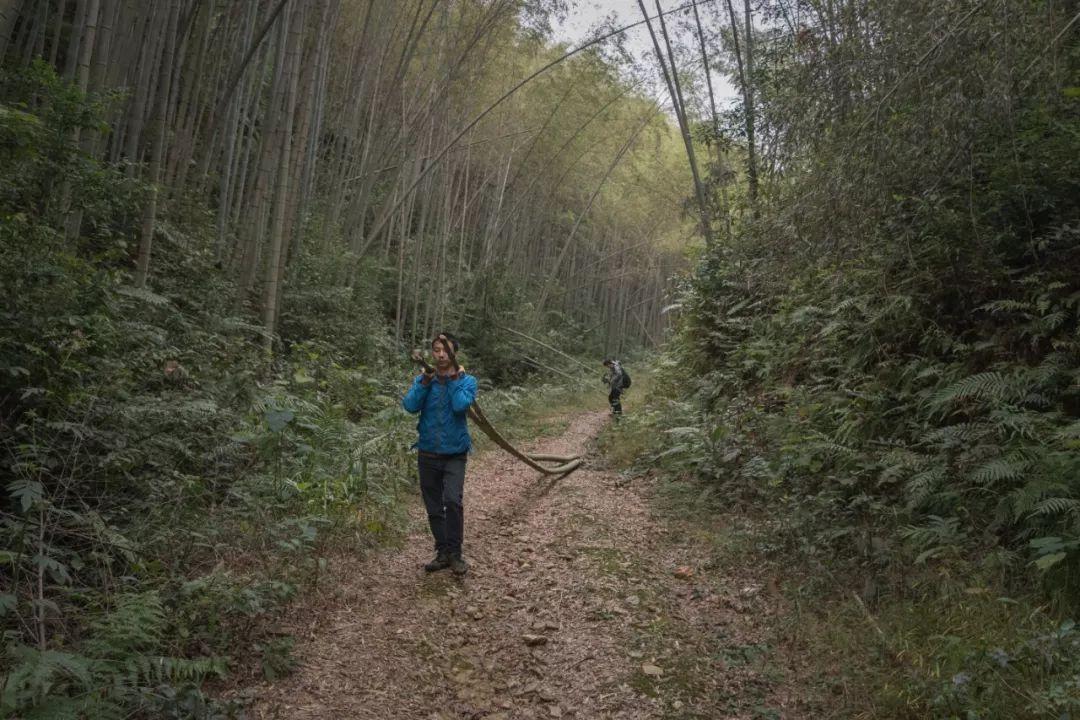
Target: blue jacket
{"points": [[443, 405]]}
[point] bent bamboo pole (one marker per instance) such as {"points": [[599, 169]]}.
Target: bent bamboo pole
{"points": [[567, 465], [553, 458]]}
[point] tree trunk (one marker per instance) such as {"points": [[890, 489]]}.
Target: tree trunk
{"points": [[751, 145], [234, 135], [715, 143], [148, 70], [159, 130], [9, 15], [271, 297], [75, 38], [675, 92], [73, 220], [746, 82], [54, 46]]}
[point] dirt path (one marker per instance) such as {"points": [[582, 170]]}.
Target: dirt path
{"points": [[579, 603]]}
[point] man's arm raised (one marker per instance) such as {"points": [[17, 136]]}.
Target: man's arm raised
{"points": [[413, 401], [462, 392]]}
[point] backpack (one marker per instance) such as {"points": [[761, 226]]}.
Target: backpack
{"points": [[625, 379]]}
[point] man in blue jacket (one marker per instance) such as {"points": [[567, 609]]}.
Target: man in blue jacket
{"points": [[442, 395]]}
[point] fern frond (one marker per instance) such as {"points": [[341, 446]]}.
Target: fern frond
{"points": [[804, 313], [982, 386], [1070, 431], [1000, 470], [936, 532], [1056, 506], [1019, 424], [1023, 500], [898, 463], [959, 434], [38, 682], [756, 468], [858, 302], [1003, 306], [922, 485], [179, 670], [144, 295], [1047, 324], [136, 624]]}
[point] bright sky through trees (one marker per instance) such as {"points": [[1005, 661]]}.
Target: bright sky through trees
{"points": [[583, 18]]}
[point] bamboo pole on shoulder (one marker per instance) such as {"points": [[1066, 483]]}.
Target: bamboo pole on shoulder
{"points": [[567, 463]]}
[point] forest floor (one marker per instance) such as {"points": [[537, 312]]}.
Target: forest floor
{"points": [[584, 599]]}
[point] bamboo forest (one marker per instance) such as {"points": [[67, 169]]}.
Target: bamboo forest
{"points": [[523, 359]]}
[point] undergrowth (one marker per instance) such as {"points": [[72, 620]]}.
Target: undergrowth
{"points": [[169, 490], [918, 641], [879, 368], [900, 420]]}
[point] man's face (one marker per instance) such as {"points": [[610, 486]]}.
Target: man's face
{"points": [[442, 359]]}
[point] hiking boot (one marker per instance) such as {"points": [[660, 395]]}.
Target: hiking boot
{"points": [[441, 562], [458, 565]]}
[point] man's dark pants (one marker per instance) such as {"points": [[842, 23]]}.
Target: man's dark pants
{"points": [[614, 401], [442, 484]]}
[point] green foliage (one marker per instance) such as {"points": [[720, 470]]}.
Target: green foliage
{"points": [[165, 493], [887, 356], [978, 689], [117, 668], [277, 660]]}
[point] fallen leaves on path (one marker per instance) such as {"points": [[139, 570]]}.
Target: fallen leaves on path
{"points": [[570, 609]]}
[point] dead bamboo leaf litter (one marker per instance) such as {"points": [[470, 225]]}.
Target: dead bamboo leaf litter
{"points": [[573, 607]]}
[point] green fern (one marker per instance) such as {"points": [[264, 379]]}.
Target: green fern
{"points": [[144, 295], [993, 386], [1000, 470], [1046, 325], [158, 669], [1008, 306], [1024, 500], [1056, 506], [857, 303], [924, 484], [135, 625], [38, 680], [940, 535], [1015, 423], [961, 434], [899, 463]]}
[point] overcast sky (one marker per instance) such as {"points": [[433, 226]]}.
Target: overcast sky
{"points": [[586, 14]]}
